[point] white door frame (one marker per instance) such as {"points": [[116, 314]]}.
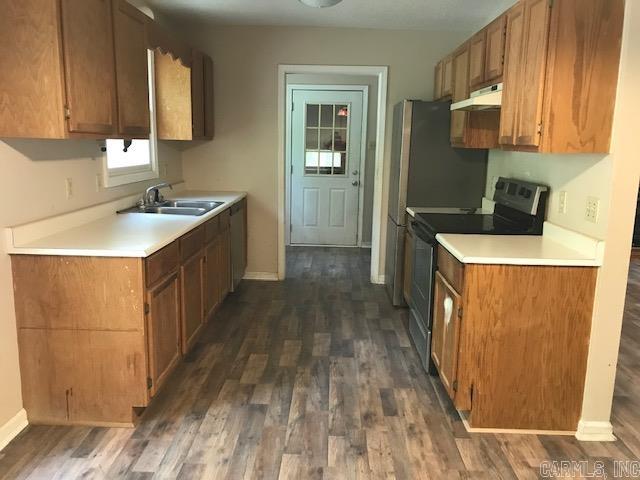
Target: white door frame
{"points": [[363, 149], [377, 276]]}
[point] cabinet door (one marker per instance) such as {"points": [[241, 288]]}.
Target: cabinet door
{"points": [[512, 75], [211, 283], [191, 279], [446, 332], [494, 56], [536, 38], [131, 70], [460, 92], [197, 93], [437, 81], [477, 50], [408, 265], [447, 77], [209, 122], [173, 98], [163, 326], [89, 71]]}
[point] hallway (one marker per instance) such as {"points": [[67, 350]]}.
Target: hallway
{"points": [[315, 377]]}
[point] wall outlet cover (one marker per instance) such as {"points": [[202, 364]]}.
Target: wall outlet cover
{"points": [[562, 206], [593, 209], [68, 187]]}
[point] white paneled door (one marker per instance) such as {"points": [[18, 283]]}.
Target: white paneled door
{"points": [[326, 149]]}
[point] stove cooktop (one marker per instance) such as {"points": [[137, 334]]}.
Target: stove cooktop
{"points": [[470, 223]]}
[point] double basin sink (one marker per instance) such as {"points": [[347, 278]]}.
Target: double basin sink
{"points": [[176, 207]]}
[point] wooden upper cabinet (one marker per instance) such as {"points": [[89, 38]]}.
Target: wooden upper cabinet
{"points": [[512, 74], [447, 77], [197, 93], [477, 51], [534, 54], [209, 122], [495, 45], [460, 92], [560, 77], [437, 81], [89, 72], [173, 98], [131, 70]]}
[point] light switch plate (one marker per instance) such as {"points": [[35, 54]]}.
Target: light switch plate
{"points": [[68, 187], [593, 209]]}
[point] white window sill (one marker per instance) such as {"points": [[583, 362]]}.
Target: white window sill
{"points": [[124, 179]]}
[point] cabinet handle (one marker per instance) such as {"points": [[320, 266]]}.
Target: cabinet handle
{"points": [[448, 310]]}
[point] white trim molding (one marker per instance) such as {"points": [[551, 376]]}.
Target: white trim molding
{"points": [[13, 427], [592, 431], [262, 276], [381, 72]]}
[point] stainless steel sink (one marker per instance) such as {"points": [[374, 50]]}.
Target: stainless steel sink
{"points": [[192, 204], [176, 207]]}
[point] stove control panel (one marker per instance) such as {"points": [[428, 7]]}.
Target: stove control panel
{"points": [[519, 194]]}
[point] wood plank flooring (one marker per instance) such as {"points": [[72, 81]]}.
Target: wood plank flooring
{"points": [[315, 378]]}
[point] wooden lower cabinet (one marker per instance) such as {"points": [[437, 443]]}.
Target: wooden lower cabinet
{"points": [[163, 328], [99, 336], [510, 342], [446, 332], [192, 286]]}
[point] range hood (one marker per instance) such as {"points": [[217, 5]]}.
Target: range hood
{"points": [[488, 98]]}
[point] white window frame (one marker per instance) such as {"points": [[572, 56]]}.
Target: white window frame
{"points": [[113, 177]]}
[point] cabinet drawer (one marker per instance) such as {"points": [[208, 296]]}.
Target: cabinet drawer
{"points": [[192, 243], [450, 268], [212, 227], [161, 263]]}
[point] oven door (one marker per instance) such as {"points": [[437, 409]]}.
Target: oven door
{"points": [[424, 266]]}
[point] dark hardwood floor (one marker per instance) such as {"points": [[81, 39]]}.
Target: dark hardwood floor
{"points": [[315, 378]]}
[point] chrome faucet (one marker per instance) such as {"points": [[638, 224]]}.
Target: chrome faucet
{"points": [[152, 195]]}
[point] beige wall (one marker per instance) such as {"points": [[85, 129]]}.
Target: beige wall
{"points": [[243, 156], [614, 179], [33, 174]]}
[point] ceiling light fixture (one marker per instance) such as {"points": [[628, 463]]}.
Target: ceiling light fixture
{"points": [[320, 3]]}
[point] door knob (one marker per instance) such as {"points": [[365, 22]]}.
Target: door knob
{"points": [[355, 183], [355, 172]]}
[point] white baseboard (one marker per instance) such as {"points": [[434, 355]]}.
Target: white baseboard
{"points": [[595, 431], [12, 428], [263, 276]]}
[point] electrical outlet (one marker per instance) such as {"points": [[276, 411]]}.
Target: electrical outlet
{"points": [[562, 207], [593, 209], [98, 181], [68, 187]]}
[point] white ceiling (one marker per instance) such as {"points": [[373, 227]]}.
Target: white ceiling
{"points": [[439, 15]]}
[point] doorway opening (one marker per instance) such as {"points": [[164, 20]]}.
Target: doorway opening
{"points": [[331, 124]]}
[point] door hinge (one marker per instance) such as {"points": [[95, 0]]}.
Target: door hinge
{"points": [[459, 312], [291, 169], [471, 393], [540, 129], [455, 385], [67, 113], [149, 382], [146, 308]]}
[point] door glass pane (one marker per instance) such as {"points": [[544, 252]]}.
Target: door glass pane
{"points": [[326, 142], [313, 112], [326, 116], [342, 115], [312, 139], [326, 139], [340, 140]]}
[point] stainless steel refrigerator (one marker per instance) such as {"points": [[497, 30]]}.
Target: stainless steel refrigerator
{"points": [[426, 172]]}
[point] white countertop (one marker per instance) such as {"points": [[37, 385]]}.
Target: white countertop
{"points": [[126, 235], [517, 250]]}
